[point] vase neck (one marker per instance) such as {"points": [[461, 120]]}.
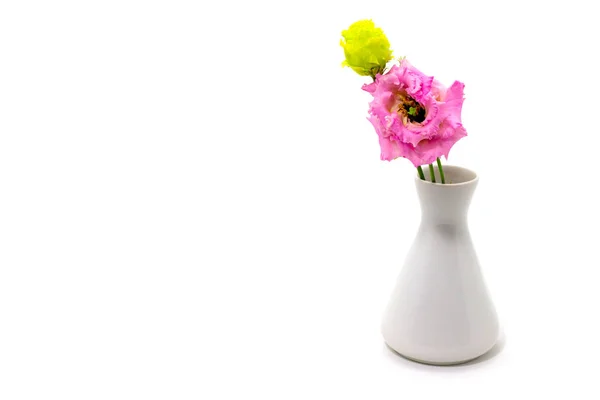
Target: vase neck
{"points": [[445, 204]]}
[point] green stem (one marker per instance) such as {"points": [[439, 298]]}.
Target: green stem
{"points": [[421, 174], [439, 163], [431, 173]]}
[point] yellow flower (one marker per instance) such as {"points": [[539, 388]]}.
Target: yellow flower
{"points": [[366, 48]]}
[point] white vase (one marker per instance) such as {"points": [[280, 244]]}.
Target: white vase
{"points": [[440, 311]]}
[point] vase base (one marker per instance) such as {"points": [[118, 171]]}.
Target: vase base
{"points": [[438, 363]]}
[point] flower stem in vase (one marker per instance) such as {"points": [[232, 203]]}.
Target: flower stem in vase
{"points": [[421, 174], [439, 163], [431, 173]]}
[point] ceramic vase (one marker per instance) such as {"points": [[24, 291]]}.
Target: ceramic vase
{"points": [[440, 311]]}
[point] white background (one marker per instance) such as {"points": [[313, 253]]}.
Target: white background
{"points": [[192, 204]]}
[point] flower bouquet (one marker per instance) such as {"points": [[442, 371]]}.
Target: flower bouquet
{"points": [[440, 311]]}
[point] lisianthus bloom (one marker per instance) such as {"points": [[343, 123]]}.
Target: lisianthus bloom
{"points": [[415, 116], [366, 48]]}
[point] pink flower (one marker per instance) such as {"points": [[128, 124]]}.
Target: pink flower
{"points": [[415, 116]]}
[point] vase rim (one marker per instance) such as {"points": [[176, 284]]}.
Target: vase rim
{"points": [[464, 176]]}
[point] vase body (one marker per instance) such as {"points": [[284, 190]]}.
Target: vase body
{"points": [[440, 311]]}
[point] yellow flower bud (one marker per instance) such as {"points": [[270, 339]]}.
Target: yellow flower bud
{"points": [[366, 48]]}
